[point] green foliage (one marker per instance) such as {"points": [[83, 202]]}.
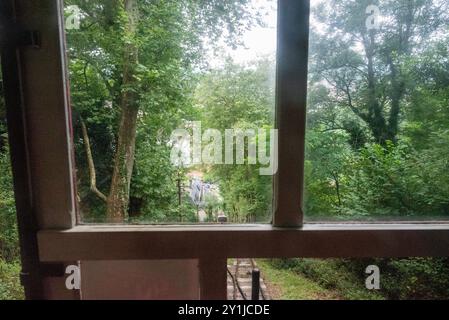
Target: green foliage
{"points": [[155, 184], [377, 139], [240, 97], [417, 278], [290, 285], [3, 129], [213, 207], [325, 170], [367, 71], [170, 39], [401, 180], [398, 182], [413, 278], [377, 114], [9, 250], [332, 274], [381, 183], [10, 288]]}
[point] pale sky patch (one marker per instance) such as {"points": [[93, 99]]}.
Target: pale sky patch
{"points": [[258, 42]]}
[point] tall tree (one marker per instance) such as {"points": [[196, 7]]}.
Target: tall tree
{"points": [[142, 51], [118, 199], [365, 66], [239, 97]]}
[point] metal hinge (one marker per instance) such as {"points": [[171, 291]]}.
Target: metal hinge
{"points": [[46, 270], [24, 278], [29, 39], [13, 35]]}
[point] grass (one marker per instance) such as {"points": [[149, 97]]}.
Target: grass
{"points": [[10, 288], [288, 285], [311, 279]]}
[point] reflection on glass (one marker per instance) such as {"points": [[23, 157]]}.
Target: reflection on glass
{"points": [[170, 99], [378, 116]]}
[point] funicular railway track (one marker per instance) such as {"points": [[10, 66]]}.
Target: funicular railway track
{"points": [[240, 280]]}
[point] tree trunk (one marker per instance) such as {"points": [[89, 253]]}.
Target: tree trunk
{"points": [[118, 199], [386, 128], [375, 119]]}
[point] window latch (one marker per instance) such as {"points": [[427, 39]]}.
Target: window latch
{"points": [[12, 35], [30, 39]]}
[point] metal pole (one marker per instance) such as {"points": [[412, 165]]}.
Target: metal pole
{"points": [[256, 285], [179, 190]]}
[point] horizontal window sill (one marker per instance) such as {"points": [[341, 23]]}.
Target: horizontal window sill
{"points": [[136, 242]]}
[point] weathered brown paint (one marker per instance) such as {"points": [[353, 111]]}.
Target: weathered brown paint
{"points": [[291, 98], [47, 112], [213, 278], [40, 137], [31, 275], [318, 241]]}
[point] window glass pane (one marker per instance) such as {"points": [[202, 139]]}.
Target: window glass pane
{"points": [[378, 116], [173, 109]]}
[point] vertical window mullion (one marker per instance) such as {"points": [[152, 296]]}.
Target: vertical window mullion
{"points": [[48, 115], [291, 98], [48, 140]]}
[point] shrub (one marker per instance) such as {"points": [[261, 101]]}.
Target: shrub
{"points": [[10, 288], [9, 248], [412, 278]]}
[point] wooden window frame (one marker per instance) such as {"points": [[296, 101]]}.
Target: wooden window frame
{"points": [[48, 170]]}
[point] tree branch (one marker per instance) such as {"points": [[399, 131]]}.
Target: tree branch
{"points": [[350, 104], [90, 161]]}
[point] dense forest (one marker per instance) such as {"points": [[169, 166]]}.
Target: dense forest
{"points": [[138, 71], [378, 111], [9, 244], [378, 120]]}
